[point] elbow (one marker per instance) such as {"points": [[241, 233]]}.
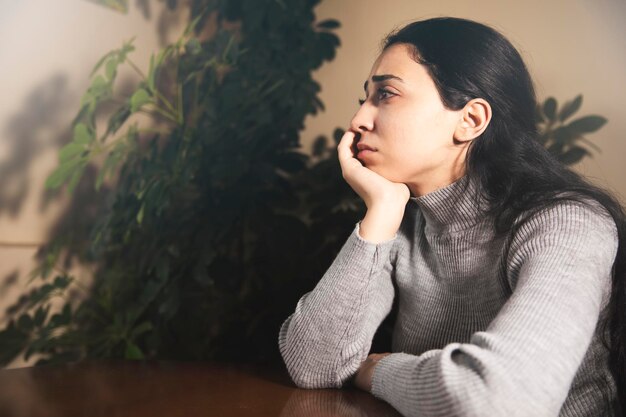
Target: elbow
{"points": [[309, 374], [307, 367], [311, 380]]}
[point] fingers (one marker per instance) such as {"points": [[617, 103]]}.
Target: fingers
{"points": [[344, 149], [375, 357]]}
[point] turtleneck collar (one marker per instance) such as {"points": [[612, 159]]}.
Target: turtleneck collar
{"points": [[455, 207]]}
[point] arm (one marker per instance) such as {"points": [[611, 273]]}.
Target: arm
{"points": [[330, 333], [525, 361]]}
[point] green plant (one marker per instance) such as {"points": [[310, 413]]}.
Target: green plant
{"points": [[218, 223], [206, 244]]}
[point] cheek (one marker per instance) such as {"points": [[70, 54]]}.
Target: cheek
{"points": [[409, 120], [398, 127], [445, 123]]}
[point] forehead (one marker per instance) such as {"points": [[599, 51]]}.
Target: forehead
{"points": [[398, 60]]}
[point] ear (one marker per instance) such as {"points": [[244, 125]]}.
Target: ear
{"points": [[475, 117]]}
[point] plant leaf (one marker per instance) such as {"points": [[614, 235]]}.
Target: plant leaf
{"points": [[70, 150], [118, 118], [99, 86], [82, 134], [140, 213], [111, 68], [139, 98], [141, 329], [133, 352], [75, 178], [62, 173], [127, 48], [101, 62], [110, 163]]}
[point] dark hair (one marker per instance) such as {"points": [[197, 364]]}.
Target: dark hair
{"points": [[518, 176]]}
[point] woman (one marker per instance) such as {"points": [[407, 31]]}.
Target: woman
{"points": [[508, 269]]}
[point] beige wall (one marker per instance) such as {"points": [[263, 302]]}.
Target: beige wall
{"points": [[570, 47], [47, 49]]}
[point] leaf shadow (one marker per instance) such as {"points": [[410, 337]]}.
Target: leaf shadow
{"points": [[37, 127], [8, 281]]}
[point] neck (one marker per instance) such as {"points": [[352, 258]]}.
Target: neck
{"points": [[419, 190], [445, 175], [454, 207], [434, 184]]}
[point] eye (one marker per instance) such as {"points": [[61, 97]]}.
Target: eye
{"points": [[383, 94]]}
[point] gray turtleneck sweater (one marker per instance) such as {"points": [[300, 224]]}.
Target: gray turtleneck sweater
{"points": [[486, 325]]}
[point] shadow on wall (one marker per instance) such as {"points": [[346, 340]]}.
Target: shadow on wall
{"points": [[72, 231], [7, 282], [36, 128], [170, 18], [73, 227]]}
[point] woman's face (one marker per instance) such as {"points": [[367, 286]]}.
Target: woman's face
{"points": [[406, 125]]}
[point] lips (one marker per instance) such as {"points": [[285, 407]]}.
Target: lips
{"points": [[363, 147], [364, 151]]}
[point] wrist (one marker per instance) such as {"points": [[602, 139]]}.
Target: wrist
{"points": [[381, 223]]}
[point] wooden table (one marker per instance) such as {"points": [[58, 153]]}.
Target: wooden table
{"points": [[171, 389]]}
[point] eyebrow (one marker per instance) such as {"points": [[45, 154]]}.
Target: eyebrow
{"points": [[383, 77]]}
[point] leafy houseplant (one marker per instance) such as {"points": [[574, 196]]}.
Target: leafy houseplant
{"points": [[217, 223], [207, 240]]}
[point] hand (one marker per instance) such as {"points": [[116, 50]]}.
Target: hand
{"points": [[363, 378], [373, 188], [385, 200]]}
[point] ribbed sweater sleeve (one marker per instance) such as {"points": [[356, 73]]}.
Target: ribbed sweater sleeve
{"points": [[330, 333], [523, 364]]}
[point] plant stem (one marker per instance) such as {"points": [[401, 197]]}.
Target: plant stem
{"points": [[162, 112], [136, 68], [155, 91], [180, 104], [165, 101], [124, 136]]}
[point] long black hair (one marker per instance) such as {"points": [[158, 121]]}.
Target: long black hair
{"points": [[518, 176]]}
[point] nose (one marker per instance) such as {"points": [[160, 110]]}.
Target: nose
{"points": [[363, 119]]}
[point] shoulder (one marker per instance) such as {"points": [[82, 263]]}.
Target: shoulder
{"points": [[569, 236], [567, 220]]}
